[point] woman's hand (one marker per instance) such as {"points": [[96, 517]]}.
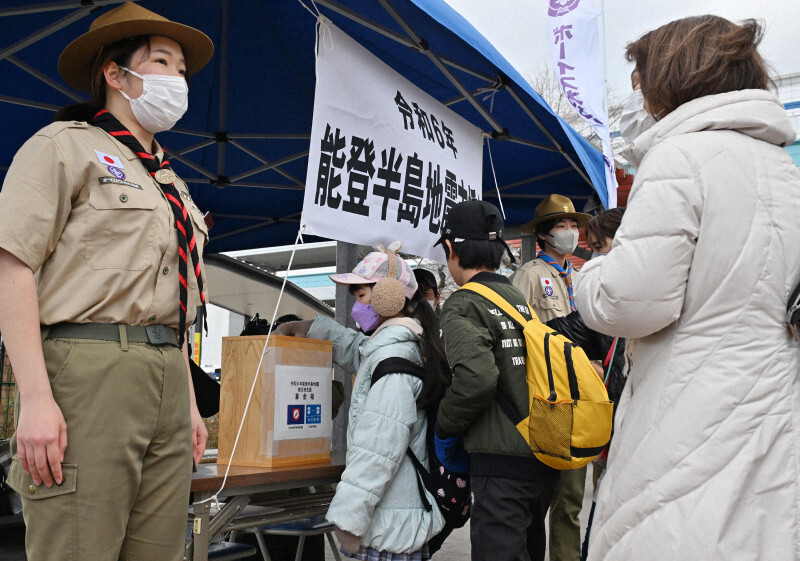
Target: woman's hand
{"points": [[42, 440], [199, 435], [347, 540], [41, 429], [294, 328]]}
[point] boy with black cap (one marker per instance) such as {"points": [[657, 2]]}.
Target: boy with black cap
{"points": [[511, 488]]}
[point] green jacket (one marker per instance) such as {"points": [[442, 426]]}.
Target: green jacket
{"points": [[486, 352]]}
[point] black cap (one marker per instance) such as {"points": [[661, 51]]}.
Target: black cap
{"points": [[474, 220], [427, 279]]}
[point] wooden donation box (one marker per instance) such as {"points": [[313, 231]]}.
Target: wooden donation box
{"points": [[289, 418]]}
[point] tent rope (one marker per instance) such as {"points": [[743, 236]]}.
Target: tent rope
{"points": [[494, 175], [215, 496], [322, 30]]}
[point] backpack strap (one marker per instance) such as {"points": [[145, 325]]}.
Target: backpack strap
{"points": [[397, 365], [498, 301], [513, 314]]}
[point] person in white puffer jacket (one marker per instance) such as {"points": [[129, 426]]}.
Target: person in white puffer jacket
{"points": [[705, 461]]}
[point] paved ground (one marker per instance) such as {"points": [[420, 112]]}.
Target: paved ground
{"points": [[455, 548]]}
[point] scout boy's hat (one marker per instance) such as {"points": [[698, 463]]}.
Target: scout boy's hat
{"points": [[123, 22], [555, 207]]}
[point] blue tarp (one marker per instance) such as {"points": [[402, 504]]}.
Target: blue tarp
{"points": [[263, 69]]}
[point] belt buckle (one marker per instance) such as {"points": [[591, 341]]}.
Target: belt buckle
{"points": [[156, 334]]}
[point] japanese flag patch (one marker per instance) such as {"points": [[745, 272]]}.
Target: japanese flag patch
{"points": [[547, 285], [109, 160]]}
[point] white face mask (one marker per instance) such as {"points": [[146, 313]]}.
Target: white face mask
{"points": [[164, 100], [634, 119], [564, 241]]}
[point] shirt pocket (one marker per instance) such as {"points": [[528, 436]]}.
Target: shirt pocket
{"points": [[550, 304], [120, 227]]}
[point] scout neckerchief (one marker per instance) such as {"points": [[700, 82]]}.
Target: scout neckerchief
{"points": [[183, 224], [566, 274]]}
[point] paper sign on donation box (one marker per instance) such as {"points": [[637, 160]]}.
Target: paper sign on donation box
{"points": [[298, 402], [289, 418]]}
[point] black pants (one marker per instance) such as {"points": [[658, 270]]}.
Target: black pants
{"points": [[507, 520]]}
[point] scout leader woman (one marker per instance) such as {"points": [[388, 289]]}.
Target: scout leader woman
{"points": [[102, 455]]}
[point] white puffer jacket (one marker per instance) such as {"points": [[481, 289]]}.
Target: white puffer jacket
{"points": [[705, 460]]}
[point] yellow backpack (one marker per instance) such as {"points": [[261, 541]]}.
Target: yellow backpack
{"points": [[569, 421]]}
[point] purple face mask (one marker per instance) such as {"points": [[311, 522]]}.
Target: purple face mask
{"points": [[365, 316]]}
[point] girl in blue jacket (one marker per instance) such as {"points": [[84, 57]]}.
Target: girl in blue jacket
{"points": [[377, 509]]}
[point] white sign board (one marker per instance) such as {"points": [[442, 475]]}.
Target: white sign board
{"points": [[386, 160], [302, 402]]}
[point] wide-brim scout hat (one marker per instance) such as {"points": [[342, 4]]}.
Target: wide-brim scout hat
{"points": [[129, 20], [555, 207], [474, 220]]}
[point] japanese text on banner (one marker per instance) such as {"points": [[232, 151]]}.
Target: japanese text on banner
{"points": [[386, 160]]}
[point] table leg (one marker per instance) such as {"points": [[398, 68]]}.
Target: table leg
{"points": [[201, 531]]}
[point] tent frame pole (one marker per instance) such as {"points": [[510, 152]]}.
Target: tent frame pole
{"points": [[393, 35], [79, 13], [422, 46], [549, 136], [46, 79]]}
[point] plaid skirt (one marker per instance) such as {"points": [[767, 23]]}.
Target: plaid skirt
{"points": [[369, 554]]}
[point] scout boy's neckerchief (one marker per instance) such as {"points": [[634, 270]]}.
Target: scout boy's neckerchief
{"points": [[566, 274], [183, 224]]}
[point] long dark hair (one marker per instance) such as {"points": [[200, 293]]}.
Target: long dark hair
{"points": [[437, 371], [120, 52]]}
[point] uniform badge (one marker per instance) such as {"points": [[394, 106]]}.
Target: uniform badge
{"points": [[547, 286], [116, 172], [189, 202], [166, 176], [109, 160]]}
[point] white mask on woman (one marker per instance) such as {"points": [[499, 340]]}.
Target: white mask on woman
{"points": [[634, 119], [564, 241], [164, 100]]}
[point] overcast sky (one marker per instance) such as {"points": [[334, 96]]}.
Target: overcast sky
{"points": [[517, 29]]}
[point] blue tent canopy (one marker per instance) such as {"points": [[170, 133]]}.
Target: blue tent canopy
{"points": [[242, 146]]}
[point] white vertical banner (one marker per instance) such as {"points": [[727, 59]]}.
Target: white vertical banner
{"points": [[386, 160], [579, 66]]}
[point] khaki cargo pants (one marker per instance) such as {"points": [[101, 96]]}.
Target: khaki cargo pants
{"points": [[128, 463]]}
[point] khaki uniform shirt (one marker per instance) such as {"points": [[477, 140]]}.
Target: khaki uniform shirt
{"points": [[100, 236], [533, 278]]}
